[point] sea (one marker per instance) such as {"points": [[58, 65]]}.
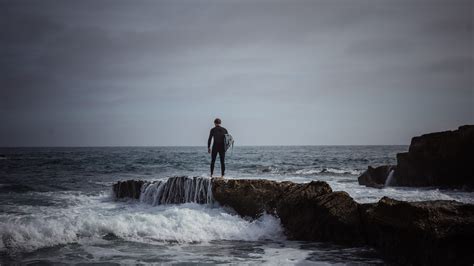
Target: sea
{"points": [[57, 206]]}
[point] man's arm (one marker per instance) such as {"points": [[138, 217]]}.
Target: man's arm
{"points": [[209, 140]]}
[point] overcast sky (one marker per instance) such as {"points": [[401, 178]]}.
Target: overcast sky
{"points": [[87, 73]]}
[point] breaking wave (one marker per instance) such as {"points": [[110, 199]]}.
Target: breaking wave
{"points": [[305, 171], [96, 218], [328, 171]]}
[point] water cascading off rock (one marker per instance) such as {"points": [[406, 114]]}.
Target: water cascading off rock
{"points": [[174, 190]]}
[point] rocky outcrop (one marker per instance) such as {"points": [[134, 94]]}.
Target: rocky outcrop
{"points": [[249, 198], [421, 233], [417, 233], [307, 211], [326, 216], [442, 159], [127, 189], [174, 190], [376, 177], [253, 197]]}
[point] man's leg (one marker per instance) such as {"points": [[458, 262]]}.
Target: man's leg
{"points": [[222, 158], [213, 160]]}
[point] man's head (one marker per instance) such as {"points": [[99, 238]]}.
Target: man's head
{"points": [[217, 121]]}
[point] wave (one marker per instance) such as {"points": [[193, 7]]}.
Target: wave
{"points": [[363, 194], [328, 171], [305, 171], [91, 219]]}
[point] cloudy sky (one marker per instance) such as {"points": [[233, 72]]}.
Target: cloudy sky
{"points": [[87, 73]]}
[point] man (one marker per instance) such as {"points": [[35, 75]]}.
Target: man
{"points": [[218, 146]]}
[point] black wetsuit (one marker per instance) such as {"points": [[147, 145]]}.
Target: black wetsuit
{"points": [[218, 133]]}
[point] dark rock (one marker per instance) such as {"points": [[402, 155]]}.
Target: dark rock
{"points": [[320, 215], [110, 237], [174, 190], [441, 159], [251, 197], [307, 211], [375, 177], [425, 233], [421, 233], [128, 189]]}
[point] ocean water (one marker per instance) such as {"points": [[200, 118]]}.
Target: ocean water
{"points": [[56, 205]]}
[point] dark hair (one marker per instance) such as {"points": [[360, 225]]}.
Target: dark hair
{"points": [[217, 121]]}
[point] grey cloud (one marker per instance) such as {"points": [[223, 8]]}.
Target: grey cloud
{"points": [[105, 65]]}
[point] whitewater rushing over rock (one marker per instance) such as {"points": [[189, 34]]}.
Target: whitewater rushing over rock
{"points": [[389, 180], [180, 189]]}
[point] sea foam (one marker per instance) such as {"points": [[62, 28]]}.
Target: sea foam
{"points": [[90, 218], [335, 171]]}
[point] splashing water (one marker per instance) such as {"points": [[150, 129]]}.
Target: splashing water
{"points": [[179, 189], [389, 180], [56, 205]]}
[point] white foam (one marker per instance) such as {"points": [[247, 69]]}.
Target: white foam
{"points": [[308, 171], [179, 189], [389, 180], [327, 171], [90, 218], [286, 256], [364, 194]]}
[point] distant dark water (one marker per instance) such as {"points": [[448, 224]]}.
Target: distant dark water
{"points": [[55, 204], [86, 169]]}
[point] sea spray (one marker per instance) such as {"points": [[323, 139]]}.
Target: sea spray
{"points": [[180, 189], [389, 180], [90, 219]]}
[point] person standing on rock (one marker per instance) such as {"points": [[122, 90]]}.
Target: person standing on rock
{"points": [[218, 146]]}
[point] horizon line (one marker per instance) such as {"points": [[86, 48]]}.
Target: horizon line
{"points": [[204, 146]]}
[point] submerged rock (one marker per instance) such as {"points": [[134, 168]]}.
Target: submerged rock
{"points": [[425, 233], [376, 177]]}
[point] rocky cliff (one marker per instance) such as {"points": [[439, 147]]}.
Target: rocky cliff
{"points": [[442, 159]]}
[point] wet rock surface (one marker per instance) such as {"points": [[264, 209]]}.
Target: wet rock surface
{"points": [[421, 233], [251, 197], [375, 177], [330, 216], [128, 189], [416, 233]]}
